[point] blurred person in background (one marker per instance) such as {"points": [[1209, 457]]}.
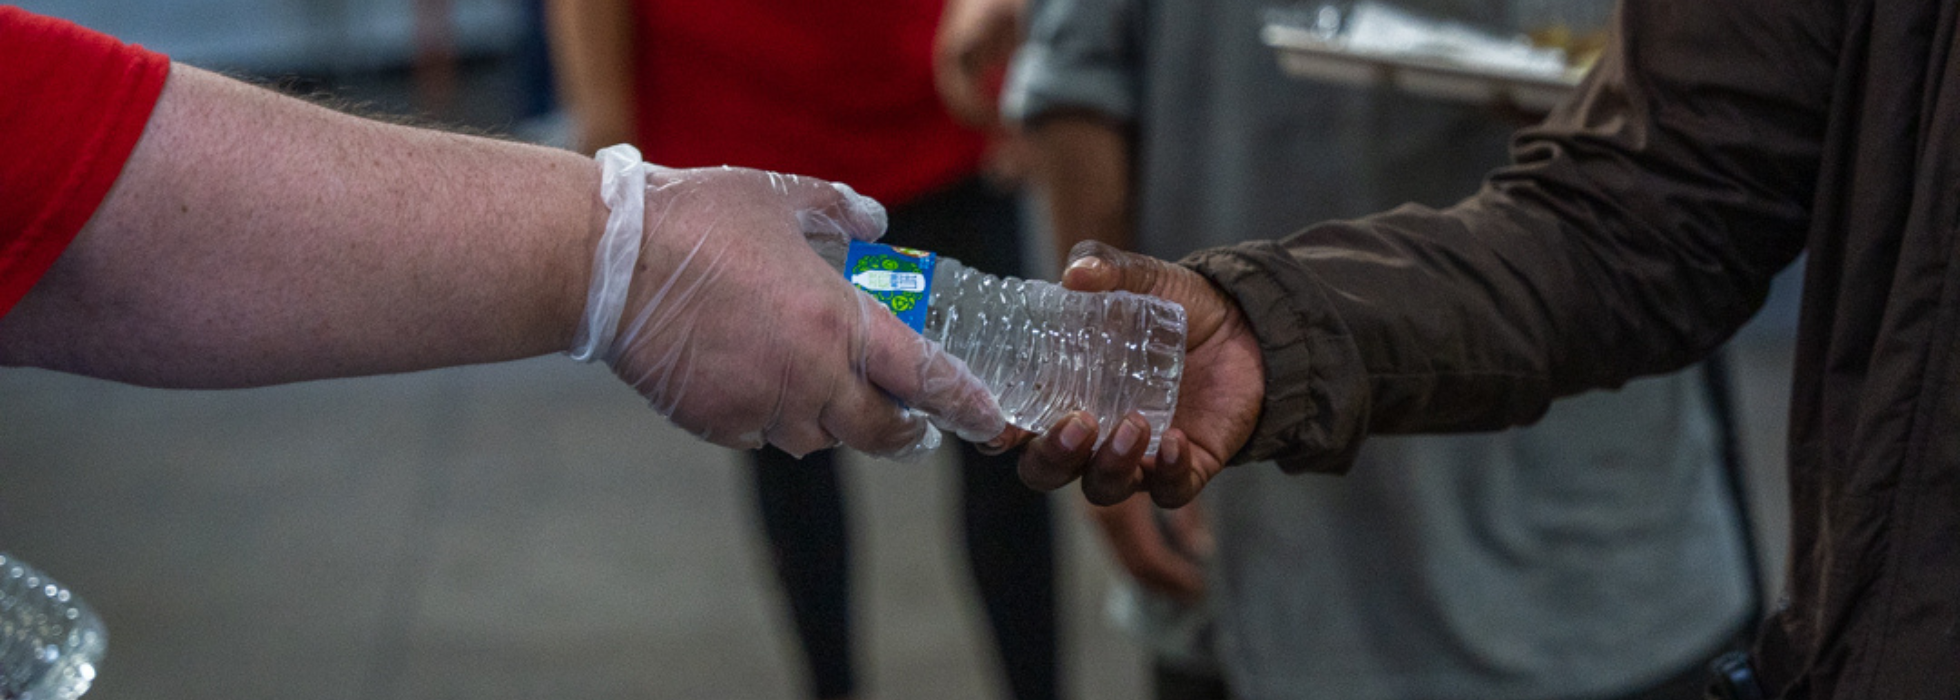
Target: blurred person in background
{"points": [[166, 226], [1599, 553], [1638, 227], [842, 91]]}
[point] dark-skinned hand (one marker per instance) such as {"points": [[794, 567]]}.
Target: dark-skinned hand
{"points": [[1218, 397]]}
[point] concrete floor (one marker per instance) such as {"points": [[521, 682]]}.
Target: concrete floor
{"points": [[510, 531], [514, 531]]}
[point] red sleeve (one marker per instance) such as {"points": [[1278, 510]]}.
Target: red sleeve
{"points": [[73, 102]]}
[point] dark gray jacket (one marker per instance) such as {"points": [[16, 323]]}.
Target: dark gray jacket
{"points": [[1638, 228]]}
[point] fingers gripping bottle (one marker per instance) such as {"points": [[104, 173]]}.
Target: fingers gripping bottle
{"points": [[49, 640], [1042, 350]]}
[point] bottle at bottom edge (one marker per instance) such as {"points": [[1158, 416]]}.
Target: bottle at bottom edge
{"points": [[50, 641]]}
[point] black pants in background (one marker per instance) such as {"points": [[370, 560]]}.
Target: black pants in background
{"points": [[1009, 529]]}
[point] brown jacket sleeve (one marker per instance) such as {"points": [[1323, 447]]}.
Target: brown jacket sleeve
{"points": [[1636, 229]]}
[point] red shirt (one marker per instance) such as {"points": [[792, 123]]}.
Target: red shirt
{"points": [[841, 91], [73, 102]]}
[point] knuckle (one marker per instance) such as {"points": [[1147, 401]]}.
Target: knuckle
{"points": [[890, 435], [896, 441], [1041, 476], [825, 319]]}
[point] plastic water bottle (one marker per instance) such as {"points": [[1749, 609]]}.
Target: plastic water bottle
{"points": [[49, 640], [1044, 351]]}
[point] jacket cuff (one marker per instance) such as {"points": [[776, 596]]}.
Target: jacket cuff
{"points": [[1317, 400]]}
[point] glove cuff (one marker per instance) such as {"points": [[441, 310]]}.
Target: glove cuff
{"points": [[623, 187]]}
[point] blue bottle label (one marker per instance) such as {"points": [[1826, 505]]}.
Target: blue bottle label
{"points": [[899, 278]]}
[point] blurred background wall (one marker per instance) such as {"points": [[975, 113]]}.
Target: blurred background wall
{"points": [[478, 64], [279, 36]]}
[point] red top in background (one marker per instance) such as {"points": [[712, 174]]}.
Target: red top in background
{"points": [[73, 102], [841, 91]]}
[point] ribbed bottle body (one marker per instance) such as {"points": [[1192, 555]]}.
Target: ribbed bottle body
{"points": [[1046, 351], [49, 640]]}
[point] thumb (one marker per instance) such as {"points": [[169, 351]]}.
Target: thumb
{"points": [[922, 375], [824, 207], [1095, 266]]}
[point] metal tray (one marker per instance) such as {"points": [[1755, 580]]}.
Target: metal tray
{"points": [[1305, 54]]}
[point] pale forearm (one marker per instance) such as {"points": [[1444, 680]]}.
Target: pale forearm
{"points": [[1082, 174], [254, 239], [591, 51]]}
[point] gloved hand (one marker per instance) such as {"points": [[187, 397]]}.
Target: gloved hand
{"points": [[708, 299]]}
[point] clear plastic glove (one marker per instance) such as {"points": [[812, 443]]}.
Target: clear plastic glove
{"points": [[708, 299]]}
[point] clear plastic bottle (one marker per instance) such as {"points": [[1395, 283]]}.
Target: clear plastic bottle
{"points": [[50, 641], [1045, 351]]}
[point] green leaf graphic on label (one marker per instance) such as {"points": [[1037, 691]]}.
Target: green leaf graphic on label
{"points": [[899, 278]]}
